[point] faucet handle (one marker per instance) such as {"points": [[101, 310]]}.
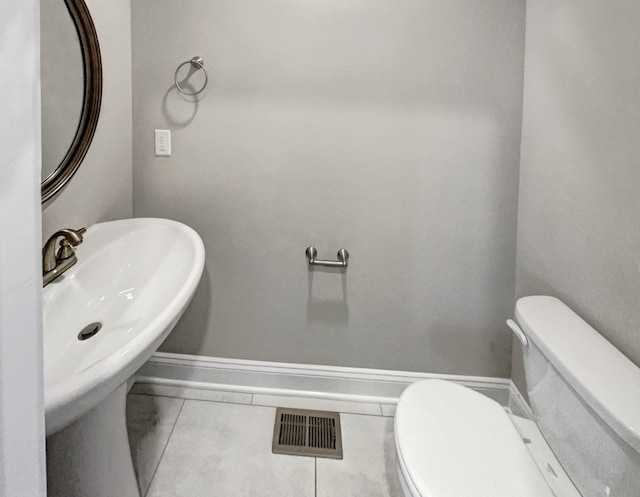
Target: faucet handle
{"points": [[79, 232], [65, 251]]}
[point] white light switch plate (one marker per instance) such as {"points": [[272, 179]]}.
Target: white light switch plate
{"points": [[163, 142]]}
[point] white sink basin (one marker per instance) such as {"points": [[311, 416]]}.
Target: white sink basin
{"points": [[135, 277]]}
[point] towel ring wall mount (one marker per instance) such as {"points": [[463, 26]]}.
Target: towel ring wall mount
{"points": [[196, 63]]}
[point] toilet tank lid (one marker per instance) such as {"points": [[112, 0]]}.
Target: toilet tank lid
{"points": [[607, 380]]}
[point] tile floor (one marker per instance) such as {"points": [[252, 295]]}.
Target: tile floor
{"points": [[196, 443]]}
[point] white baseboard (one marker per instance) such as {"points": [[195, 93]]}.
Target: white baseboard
{"points": [[304, 380]]}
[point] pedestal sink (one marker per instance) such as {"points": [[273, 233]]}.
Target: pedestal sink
{"points": [[102, 320]]}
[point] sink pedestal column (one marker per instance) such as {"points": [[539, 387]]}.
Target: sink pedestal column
{"points": [[91, 457]]}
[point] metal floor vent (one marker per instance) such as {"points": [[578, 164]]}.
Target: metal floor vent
{"points": [[303, 432]]}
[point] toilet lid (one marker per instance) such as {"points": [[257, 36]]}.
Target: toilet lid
{"points": [[454, 442]]}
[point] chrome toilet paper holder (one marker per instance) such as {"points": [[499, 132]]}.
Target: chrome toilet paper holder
{"points": [[343, 258]]}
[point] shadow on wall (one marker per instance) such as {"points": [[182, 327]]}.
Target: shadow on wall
{"points": [[199, 311], [459, 343], [173, 109], [328, 311]]}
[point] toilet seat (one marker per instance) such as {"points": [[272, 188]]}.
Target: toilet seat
{"points": [[454, 442]]}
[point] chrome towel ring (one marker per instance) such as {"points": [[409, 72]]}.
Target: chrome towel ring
{"points": [[197, 63]]}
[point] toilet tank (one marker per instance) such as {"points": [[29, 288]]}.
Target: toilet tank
{"points": [[585, 396]]}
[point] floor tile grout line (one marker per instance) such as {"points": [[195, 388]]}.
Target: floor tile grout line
{"points": [[155, 471], [152, 387], [151, 391], [320, 401], [341, 412], [251, 403], [191, 398]]}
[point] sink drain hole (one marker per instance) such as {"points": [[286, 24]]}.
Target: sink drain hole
{"points": [[89, 330]]}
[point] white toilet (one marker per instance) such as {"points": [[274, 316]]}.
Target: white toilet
{"points": [[584, 439]]}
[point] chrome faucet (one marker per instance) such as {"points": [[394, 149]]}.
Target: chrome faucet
{"points": [[54, 264]]}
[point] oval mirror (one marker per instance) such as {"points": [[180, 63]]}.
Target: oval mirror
{"points": [[71, 82]]}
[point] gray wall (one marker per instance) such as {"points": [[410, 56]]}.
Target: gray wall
{"points": [[389, 128], [22, 441], [579, 214], [101, 189]]}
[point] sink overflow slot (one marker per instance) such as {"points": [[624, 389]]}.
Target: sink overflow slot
{"points": [[89, 330]]}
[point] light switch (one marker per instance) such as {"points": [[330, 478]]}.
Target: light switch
{"points": [[163, 142]]}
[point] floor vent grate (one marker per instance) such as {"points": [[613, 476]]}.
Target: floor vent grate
{"points": [[303, 432]]}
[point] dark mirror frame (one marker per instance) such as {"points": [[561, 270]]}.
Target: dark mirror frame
{"points": [[91, 104]]}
